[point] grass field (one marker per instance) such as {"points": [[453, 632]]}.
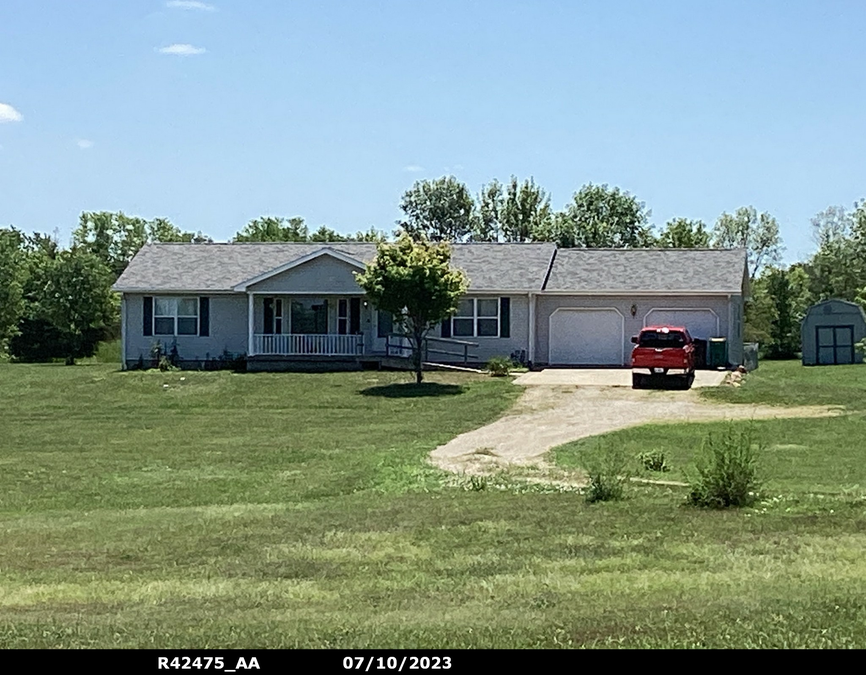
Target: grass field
{"points": [[297, 510]]}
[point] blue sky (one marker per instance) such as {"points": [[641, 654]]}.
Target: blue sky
{"points": [[330, 110]]}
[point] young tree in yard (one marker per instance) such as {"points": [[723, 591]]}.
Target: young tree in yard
{"points": [[414, 281], [684, 233], [438, 210], [757, 233], [601, 217], [12, 271], [77, 300]]}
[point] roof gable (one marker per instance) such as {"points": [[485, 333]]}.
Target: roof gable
{"points": [[285, 267]]}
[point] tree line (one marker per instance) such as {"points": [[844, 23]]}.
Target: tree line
{"points": [[57, 302]]}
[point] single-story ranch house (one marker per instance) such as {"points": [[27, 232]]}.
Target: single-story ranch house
{"points": [[283, 305]]}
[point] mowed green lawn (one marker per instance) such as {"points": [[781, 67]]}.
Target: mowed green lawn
{"points": [[294, 510]]}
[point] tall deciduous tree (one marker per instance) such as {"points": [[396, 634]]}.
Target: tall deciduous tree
{"points": [[602, 217], [414, 281], [115, 238], [12, 275], [487, 224], [438, 210], [525, 211], [77, 301], [684, 233], [784, 333], [272, 228], [757, 233]]}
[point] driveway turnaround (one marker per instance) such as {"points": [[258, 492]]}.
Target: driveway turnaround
{"points": [[550, 415], [605, 377]]}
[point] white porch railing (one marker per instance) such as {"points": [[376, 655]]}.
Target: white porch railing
{"points": [[308, 345]]}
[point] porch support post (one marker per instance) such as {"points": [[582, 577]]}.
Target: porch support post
{"points": [[250, 324], [532, 328]]}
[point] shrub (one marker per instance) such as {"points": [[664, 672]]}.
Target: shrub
{"points": [[606, 466], [478, 483], [653, 460], [165, 364], [499, 366], [727, 470]]}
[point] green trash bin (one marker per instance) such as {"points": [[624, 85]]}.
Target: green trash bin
{"points": [[717, 352]]}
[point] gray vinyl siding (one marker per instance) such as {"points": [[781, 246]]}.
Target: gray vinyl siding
{"points": [[489, 347], [324, 274], [720, 305], [228, 329]]}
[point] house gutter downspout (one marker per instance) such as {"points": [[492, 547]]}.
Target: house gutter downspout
{"points": [[532, 297], [250, 324], [123, 310]]}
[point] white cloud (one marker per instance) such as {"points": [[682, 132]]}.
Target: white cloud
{"points": [[84, 144], [413, 168], [9, 114], [190, 4], [182, 50]]}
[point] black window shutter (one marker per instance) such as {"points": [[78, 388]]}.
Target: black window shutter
{"points": [[505, 317], [354, 316], [446, 328], [147, 329], [204, 317], [269, 316]]}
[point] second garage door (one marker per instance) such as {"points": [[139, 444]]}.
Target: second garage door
{"points": [[701, 323], [587, 337]]}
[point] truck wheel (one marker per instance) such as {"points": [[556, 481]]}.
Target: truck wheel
{"points": [[685, 381], [636, 381]]}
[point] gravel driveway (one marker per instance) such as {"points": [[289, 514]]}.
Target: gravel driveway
{"points": [[547, 416]]}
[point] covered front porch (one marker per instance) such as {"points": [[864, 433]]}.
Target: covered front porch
{"points": [[326, 325]]}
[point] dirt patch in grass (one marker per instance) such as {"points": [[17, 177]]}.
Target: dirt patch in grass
{"points": [[546, 417]]}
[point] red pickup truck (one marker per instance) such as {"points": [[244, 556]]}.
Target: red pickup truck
{"points": [[663, 352]]}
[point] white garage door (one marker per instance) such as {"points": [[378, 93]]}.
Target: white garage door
{"points": [[701, 323], [586, 337]]}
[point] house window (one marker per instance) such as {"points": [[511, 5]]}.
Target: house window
{"points": [[476, 317], [175, 316], [273, 316], [309, 317], [342, 316]]}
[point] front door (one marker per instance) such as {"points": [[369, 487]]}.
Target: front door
{"points": [[835, 344]]}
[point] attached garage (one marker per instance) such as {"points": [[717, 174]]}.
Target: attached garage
{"points": [[701, 323], [587, 336], [830, 331]]}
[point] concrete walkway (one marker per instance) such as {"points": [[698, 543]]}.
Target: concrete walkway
{"points": [[604, 377]]}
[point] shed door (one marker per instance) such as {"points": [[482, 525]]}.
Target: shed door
{"points": [[835, 344], [586, 337]]}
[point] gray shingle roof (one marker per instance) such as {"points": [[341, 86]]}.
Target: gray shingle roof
{"points": [[220, 267], [648, 270]]}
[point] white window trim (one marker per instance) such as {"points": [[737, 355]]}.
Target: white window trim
{"points": [[176, 300], [475, 317]]}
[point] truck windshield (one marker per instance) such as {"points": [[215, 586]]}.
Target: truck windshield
{"points": [[658, 340]]}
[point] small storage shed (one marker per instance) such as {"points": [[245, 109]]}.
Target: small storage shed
{"points": [[829, 332]]}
